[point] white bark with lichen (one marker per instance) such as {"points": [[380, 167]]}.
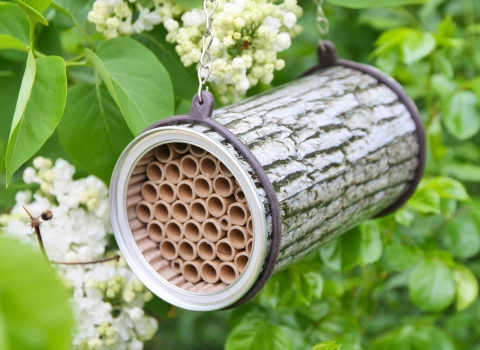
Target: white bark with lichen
{"points": [[338, 147]]}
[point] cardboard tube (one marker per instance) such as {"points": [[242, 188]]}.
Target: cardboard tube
{"points": [[185, 191], [223, 185], [224, 222], [224, 170], [137, 178], [249, 246], [147, 158], [196, 151], [212, 230], [228, 272], [191, 270], [152, 254], [144, 211], [134, 189], [139, 234], [156, 231], [239, 195], [133, 200], [180, 211], [218, 205], [162, 211], [210, 271], [180, 147], [241, 261], [176, 265], [238, 214], [177, 280], [166, 271], [198, 210], [155, 172], [192, 230], [190, 166], [136, 224], [174, 230], [206, 249], [159, 263], [173, 171], [145, 244], [167, 191], [169, 249], [187, 250], [165, 153], [203, 186], [225, 250], [250, 226], [209, 166], [131, 214], [139, 169], [150, 192], [238, 236]]}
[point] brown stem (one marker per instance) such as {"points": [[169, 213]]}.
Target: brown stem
{"points": [[35, 224], [115, 257]]}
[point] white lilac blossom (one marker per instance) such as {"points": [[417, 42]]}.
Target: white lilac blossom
{"points": [[107, 298], [248, 35], [116, 17]]}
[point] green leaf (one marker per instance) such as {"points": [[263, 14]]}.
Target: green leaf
{"points": [[9, 42], [32, 13], [69, 7], [461, 236], [39, 109], [93, 131], [417, 46], [476, 87], [33, 302], [466, 286], [137, 81], [448, 188], [189, 4], [3, 333], [431, 285], [398, 257], [464, 172], [327, 345], [185, 81], [425, 201], [361, 4], [461, 115], [39, 5], [371, 242], [442, 85], [14, 27], [342, 253], [255, 334], [295, 286], [410, 337]]}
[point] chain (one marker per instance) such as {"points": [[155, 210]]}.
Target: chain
{"points": [[323, 25], [206, 59]]}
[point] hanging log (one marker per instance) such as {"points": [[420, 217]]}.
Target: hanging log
{"points": [[322, 153]]}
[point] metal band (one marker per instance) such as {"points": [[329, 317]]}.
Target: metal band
{"points": [[201, 113], [328, 57]]}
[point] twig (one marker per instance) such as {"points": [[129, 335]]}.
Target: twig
{"points": [[35, 224], [47, 215], [115, 257]]}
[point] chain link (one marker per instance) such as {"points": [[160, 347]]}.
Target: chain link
{"points": [[206, 59], [323, 25]]}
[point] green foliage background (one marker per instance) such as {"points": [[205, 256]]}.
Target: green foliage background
{"points": [[407, 281]]}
